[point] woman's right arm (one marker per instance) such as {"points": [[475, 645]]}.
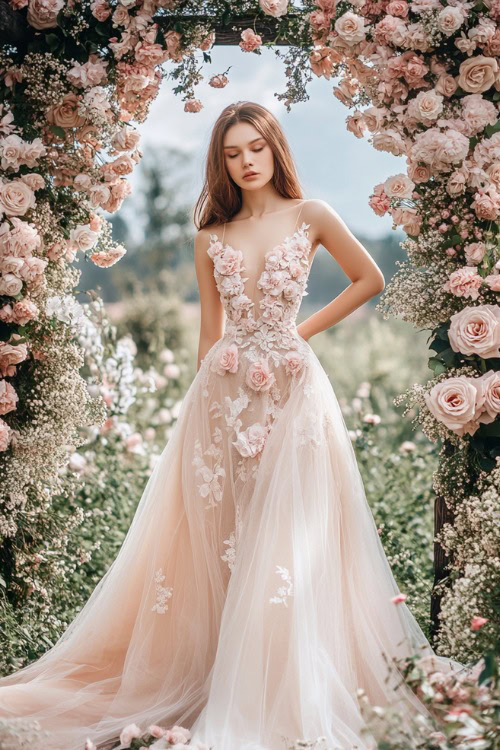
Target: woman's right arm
{"points": [[211, 307]]}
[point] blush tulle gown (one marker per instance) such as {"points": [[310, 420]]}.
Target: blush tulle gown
{"points": [[251, 596]]}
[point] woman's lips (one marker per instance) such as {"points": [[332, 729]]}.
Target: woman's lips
{"points": [[249, 176]]}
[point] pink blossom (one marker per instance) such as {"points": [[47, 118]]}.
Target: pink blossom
{"points": [[108, 258], [228, 262], [478, 622], [251, 441], [399, 598], [293, 361]]}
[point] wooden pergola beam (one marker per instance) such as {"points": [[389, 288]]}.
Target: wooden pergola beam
{"points": [[14, 29]]}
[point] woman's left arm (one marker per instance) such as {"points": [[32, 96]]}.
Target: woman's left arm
{"points": [[367, 278]]}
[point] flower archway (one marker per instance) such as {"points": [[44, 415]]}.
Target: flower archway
{"points": [[421, 79]]}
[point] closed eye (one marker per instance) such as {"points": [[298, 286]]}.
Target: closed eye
{"points": [[256, 150]]}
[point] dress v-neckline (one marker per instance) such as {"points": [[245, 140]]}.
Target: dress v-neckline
{"points": [[285, 239]]}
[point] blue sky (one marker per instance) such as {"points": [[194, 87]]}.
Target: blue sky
{"points": [[332, 163]]}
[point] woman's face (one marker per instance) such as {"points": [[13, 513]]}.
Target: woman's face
{"points": [[245, 150]]}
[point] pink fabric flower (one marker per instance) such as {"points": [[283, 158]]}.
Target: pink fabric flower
{"points": [[251, 441], [228, 262], [227, 359], [464, 282], [293, 361], [259, 376], [8, 397], [250, 41]]}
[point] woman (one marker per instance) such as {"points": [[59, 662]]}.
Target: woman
{"points": [[251, 596]]}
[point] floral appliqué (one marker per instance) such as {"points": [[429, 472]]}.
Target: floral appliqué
{"points": [[163, 593], [283, 591], [211, 475], [230, 554]]}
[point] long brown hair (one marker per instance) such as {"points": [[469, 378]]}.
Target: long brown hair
{"points": [[220, 198]]}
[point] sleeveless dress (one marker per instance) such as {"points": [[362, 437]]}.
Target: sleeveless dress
{"points": [[251, 597]]}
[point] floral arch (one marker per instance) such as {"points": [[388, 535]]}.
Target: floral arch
{"points": [[421, 80]]}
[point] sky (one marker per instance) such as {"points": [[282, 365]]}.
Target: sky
{"points": [[332, 163]]}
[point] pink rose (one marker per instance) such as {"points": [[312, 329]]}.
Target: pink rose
{"points": [[477, 74], [491, 389], [227, 359], [8, 397], [24, 310], [379, 200], [457, 402], [351, 27], [259, 376], [178, 735], [399, 598], [464, 282], [251, 441], [33, 268], [218, 81], [130, 732], [156, 731], [21, 239], [11, 355], [10, 285], [399, 186], [100, 10], [474, 252], [250, 41], [476, 330], [493, 281], [11, 264], [5, 435], [486, 204], [294, 362], [42, 13], [33, 180], [66, 114], [419, 173], [193, 105], [16, 198], [274, 7]]}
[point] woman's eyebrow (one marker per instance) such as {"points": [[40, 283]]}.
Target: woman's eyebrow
{"points": [[252, 141]]}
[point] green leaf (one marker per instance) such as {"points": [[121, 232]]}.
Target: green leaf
{"points": [[490, 430], [103, 30], [53, 41], [58, 130]]}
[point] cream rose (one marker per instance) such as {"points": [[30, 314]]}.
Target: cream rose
{"points": [[351, 27], [83, 238], [399, 186], [10, 285], [476, 330], [16, 198], [456, 402]]}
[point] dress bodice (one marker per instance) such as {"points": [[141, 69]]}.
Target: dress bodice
{"points": [[263, 309]]}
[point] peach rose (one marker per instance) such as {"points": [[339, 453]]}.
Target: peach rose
{"points": [[5, 435], [65, 114], [108, 258], [493, 281], [227, 360], [350, 27], [251, 441], [16, 198], [250, 41], [419, 173], [259, 376], [8, 397], [476, 330], [477, 74], [457, 402], [446, 85], [450, 19], [126, 139], [464, 282]]}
